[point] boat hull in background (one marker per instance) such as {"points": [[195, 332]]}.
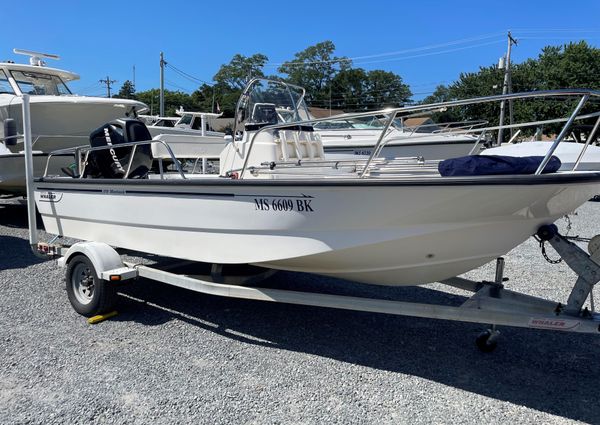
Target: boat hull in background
{"points": [[59, 122]]}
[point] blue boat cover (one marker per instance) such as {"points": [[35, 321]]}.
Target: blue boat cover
{"points": [[481, 165]]}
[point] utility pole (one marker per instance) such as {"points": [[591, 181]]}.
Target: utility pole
{"points": [[134, 77], [108, 82], [506, 89], [330, 99], [162, 85], [213, 100]]}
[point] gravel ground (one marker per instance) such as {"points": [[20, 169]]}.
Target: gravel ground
{"points": [[173, 356]]}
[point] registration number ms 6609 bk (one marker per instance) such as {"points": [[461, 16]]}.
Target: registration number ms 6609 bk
{"points": [[283, 204]]}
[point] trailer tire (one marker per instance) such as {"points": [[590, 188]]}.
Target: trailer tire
{"points": [[88, 294]]}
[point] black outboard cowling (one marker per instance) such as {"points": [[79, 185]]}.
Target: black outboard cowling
{"points": [[112, 162]]}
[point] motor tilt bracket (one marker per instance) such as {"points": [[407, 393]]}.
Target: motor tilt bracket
{"points": [[586, 266]]}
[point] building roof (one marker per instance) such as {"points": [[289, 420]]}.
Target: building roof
{"points": [[324, 112]]}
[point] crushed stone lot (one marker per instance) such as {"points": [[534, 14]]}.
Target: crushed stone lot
{"points": [[173, 356]]}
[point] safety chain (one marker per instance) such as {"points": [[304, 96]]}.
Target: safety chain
{"points": [[548, 259]]}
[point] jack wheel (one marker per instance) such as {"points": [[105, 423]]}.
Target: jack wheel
{"points": [[88, 294], [487, 341]]}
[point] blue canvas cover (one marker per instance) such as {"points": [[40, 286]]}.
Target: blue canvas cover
{"points": [[481, 165]]}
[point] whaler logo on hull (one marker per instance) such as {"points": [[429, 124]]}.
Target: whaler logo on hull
{"points": [[558, 324], [50, 197]]}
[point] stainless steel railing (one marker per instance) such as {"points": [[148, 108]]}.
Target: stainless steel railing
{"points": [[391, 114], [78, 151]]}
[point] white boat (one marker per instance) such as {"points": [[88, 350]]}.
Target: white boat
{"points": [[279, 203], [188, 123], [63, 119], [357, 136], [158, 121], [570, 154]]}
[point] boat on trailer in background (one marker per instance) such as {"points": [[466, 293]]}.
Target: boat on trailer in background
{"points": [[279, 203]]}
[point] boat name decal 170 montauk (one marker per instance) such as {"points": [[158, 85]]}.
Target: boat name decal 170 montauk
{"points": [[283, 204]]}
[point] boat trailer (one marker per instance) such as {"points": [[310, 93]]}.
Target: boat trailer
{"points": [[94, 269]]}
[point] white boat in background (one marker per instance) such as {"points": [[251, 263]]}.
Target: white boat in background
{"points": [[342, 135], [63, 119], [158, 121], [571, 155], [279, 203], [189, 123]]}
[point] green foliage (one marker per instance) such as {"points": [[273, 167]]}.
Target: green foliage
{"points": [[314, 68], [173, 101], [386, 89], [573, 65], [355, 89], [332, 81], [127, 91], [240, 70]]}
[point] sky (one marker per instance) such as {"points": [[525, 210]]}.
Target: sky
{"points": [[426, 42]]}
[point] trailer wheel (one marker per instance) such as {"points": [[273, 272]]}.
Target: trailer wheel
{"points": [[88, 294], [487, 341]]}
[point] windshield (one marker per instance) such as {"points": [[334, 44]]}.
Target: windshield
{"points": [[365, 123], [36, 83], [268, 102], [5, 87], [185, 119]]}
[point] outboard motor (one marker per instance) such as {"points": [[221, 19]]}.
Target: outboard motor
{"points": [[112, 162]]}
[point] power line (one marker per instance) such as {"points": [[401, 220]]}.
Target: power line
{"points": [[433, 53], [395, 53], [171, 83], [188, 76], [557, 38], [554, 30]]}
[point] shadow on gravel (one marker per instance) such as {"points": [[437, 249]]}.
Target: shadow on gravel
{"points": [[14, 214], [16, 253], [550, 372]]}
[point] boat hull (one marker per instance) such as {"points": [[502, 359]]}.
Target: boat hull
{"points": [[59, 122], [373, 231], [12, 170], [430, 146]]}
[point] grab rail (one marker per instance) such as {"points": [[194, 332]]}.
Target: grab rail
{"points": [[586, 95], [77, 152]]}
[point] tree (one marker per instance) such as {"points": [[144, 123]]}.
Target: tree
{"points": [[240, 70], [572, 65], [127, 91], [348, 89], [219, 97], [314, 68], [358, 90], [386, 89], [441, 94], [173, 101]]}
